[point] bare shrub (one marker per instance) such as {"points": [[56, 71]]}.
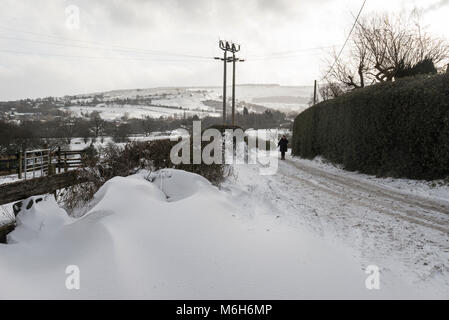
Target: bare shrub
{"points": [[114, 161], [75, 197]]}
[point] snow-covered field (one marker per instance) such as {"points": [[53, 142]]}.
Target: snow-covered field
{"points": [[248, 93], [191, 101], [282, 98], [310, 231], [78, 144], [116, 112]]}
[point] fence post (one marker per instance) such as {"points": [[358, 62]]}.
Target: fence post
{"points": [[34, 165], [42, 163], [20, 156], [66, 169], [59, 159], [25, 165], [49, 167]]}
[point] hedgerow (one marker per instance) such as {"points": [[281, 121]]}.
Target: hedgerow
{"points": [[397, 129]]}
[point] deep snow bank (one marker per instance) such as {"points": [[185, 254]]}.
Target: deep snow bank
{"points": [[42, 218], [175, 237]]}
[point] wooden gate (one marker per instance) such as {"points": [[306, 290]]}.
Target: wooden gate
{"points": [[40, 163]]}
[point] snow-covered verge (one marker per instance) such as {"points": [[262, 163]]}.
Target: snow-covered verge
{"points": [[436, 189], [173, 235]]}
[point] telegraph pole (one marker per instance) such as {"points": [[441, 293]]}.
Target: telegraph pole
{"points": [[234, 60], [225, 60], [233, 89], [227, 46]]}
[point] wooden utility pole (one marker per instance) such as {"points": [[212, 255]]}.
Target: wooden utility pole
{"points": [[225, 61], [234, 60], [315, 93], [227, 46], [233, 89]]}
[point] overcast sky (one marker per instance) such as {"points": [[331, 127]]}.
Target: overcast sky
{"points": [[132, 44]]}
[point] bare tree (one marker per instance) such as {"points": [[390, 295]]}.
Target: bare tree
{"points": [[381, 46], [330, 91], [147, 125], [352, 71], [68, 126], [429, 47], [97, 124]]}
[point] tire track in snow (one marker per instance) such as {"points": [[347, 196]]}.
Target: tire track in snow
{"points": [[396, 231], [414, 209]]}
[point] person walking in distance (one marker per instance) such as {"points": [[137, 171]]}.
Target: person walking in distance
{"points": [[283, 146]]}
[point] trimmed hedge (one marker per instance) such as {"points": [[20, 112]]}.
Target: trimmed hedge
{"points": [[396, 129]]}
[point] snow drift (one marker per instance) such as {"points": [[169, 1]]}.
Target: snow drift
{"points": [[172, 235]]}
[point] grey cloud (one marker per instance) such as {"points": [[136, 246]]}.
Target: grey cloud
{"points": [[189, 27], [437, 5]]}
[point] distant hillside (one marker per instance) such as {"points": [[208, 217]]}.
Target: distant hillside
{"points": [[282, 99], [165, 102], [273, 96]]}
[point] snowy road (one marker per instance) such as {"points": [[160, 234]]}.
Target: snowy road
{"points": [[412, 208], [403, 227]]}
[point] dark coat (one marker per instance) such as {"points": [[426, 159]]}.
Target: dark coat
{"points": [[283, 145]]}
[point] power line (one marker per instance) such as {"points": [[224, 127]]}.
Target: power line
{"points": [[282, 57], [273, 56], [101, 57], [118, 48], [98, 45], [289, 53], [347, 39], [109, 47], [100, 48]]}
